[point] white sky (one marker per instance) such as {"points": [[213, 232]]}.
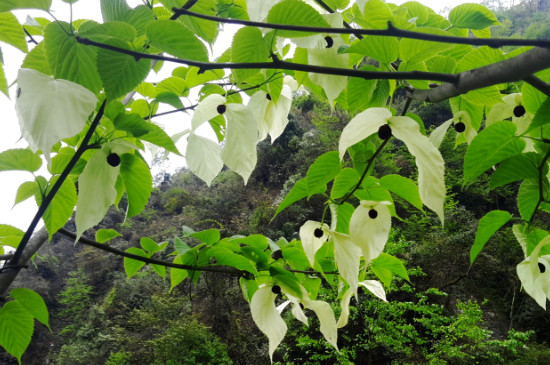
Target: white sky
{"points": [[21, 215]]}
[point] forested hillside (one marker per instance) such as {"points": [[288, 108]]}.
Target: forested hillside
{"points": [[448, 312]]}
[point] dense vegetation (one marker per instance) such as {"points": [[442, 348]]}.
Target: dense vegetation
{"points": [[351, 215]]}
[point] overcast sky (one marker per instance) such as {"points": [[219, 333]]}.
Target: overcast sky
{"points": [[21, 215]]}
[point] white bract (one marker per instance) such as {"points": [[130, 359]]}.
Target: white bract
{"points": [[368, 233], [50, 110], [534, 273], [241, 137], [363, 125], [267, 317], [431, 167]]}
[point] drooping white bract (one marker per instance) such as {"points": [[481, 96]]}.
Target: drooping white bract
{"points": [[241, 137], [322, 310], [96, 189], [431, 167], [267, 317], [206, 161], [50, 110], [363, 125], [375, 287], [505, 110], [329, 57], [258, 9], [348, 258], [310, 242], [534, 274], [273, 117], [438, 134], [370, 231]]}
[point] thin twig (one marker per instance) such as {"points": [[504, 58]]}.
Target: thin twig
{"points": [[391, 31], [277, 64], [148, 260], [30, 36]]}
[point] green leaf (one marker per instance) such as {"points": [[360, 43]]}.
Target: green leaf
{"points": [[299, 191], [428, 159], [103, 235], [27, 190], [120, 73], [208, 236], [206, 29], [383, 49], [33, 303], [375, 15], [116, 29], [96, 191], [520, 167], [528, 197], [11, 32], [149, 245], [16, 328], [403, 187], [7, 5], [344, 182], [174, 38], [177, 275], [494, 144], [248, 46], [386, 265], [10, 236], [70, 60], [295, 12], [118, 10], [415, 51], [478, 57], [50, 110], [3, 80], [131, 266], [138, 182], [37, 60], [20, 159], [324, 169], [226, 257], [472, 16], [132, 123], [158, 137], [488, 225], [61, 207], [541, 117]]}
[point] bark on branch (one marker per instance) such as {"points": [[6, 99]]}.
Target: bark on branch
{"points": [[513, 69]]}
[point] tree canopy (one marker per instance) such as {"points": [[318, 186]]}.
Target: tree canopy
{"points": [[87, 97]]}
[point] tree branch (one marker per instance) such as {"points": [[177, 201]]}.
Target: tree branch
{"points": [[538, 84], [513, 69], [277, 64], [148, 260], [391, 31], [219, 269]]}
